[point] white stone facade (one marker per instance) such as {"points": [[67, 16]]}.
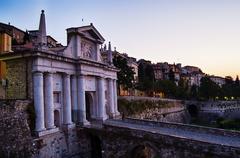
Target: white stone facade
{"points": [[73, 85]]}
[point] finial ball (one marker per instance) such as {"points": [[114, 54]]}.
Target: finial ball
{"points": [[42, 11]]}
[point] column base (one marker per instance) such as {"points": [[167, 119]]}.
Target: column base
{"points": [[112, 115], [117, 113], [40, 130], [84, 123], [52, 127], [101, 119], [68, 126], [46, 132]]}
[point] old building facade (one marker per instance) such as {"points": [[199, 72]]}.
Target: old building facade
{"points": [[69, 85]]}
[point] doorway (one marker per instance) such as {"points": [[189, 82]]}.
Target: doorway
{"points": [[89, 105], [56, 118]]}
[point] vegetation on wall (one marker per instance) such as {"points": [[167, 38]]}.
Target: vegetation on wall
{"points": [[232, 124], [138, 106]]}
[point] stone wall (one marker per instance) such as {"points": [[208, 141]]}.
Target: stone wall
{"points": [[166, 110], [15, 134], [130, 143], [210, 111], [17, 139], [172, 114], [73, 143]]}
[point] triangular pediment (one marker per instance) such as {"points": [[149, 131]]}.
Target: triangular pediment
{"points": [[91, 32]]}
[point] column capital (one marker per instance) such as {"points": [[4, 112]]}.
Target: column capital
{"points": [[73, 75], [101, 77], [80, 75], [48, 73], [37, 72], [66, 75], [108, 78]]}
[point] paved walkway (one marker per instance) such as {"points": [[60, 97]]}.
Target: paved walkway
{"points": [[180, 133]]}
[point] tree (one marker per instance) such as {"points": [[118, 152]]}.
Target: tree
{"points": [[126, 73], [228, 87], [194, 92], [236, 88], [237, 81], [208, 89], [171, 75], [168, 87], [146, 78], [182, 89]]}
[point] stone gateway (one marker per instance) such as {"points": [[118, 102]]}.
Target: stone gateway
{"points": [[69, 85]]}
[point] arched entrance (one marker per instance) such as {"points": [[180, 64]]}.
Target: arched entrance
{"points": [[143, 151], [56, 118], [89, 105], [193, 110]]}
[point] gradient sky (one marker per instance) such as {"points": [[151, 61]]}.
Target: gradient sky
{"points": [[203, 33]]}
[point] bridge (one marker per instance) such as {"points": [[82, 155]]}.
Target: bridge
{"points": [[226, 109], [130, 138], [113, 138]]}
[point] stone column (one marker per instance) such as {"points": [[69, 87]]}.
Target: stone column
{"points": [[111, 97], [101, 99], [115, 97], [38, 101], [74, 97], [67, 118], [49, 106], [81, 101]]}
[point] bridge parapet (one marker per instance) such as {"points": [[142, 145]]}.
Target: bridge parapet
{"points": [[186, 127], [121, 138], [214, 105]]}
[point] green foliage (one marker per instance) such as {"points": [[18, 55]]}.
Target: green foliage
{"points": [[233, 124], [146, 78], [208, 89], [126, 73], [194, 92], [168, 87], [138, 106], [171, 75]]}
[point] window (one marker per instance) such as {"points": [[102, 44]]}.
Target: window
{"points": [[57, 97]]}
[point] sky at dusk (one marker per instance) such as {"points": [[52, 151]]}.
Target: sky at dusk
{"points": [[203, 33]]}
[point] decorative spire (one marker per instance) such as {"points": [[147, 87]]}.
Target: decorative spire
{"points": [[110, 60], [105, 47], [109, 46], [42, 35]]}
